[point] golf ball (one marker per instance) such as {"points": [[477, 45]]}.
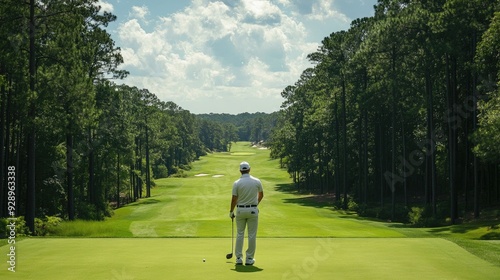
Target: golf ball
{"points": [[203, 260]]}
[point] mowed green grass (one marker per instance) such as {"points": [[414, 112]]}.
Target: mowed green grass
{"points": [[186, 220], [277, 258], [198, 206]]}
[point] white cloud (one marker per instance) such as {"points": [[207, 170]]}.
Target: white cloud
{"points": [[139, 13], [323, 10], [130, 58], [105, 6], [261, 10], [283, 2], [211, 53], [203, 22]]}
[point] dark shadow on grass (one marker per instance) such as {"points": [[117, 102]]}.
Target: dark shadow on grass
{"points": [[311, 200], [145, 201], [288, 188], [353, 215], [491, 226], [490, 219], [247, 268], [491, 236], [326, 200], [474, 225], [317, 201]]}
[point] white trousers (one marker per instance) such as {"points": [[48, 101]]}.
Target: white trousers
{"points": [[246, 218]]}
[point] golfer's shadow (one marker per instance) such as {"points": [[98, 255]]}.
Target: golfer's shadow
{"points": [[247, 268]]}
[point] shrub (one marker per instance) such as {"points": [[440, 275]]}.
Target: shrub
{"points": [[185, 167], [415, 216], [433, 222], [46, 226], [88, 211], [352, 205], [369, 211], [21, 227], [160, 171], [180, 174]]}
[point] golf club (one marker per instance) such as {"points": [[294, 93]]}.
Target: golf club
{"points": [[230, 255]]}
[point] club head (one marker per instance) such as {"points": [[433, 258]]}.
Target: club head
{"points": [[229, 256]]}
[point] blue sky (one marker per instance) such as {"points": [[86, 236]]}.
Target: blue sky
{"points": [[225, 56]]}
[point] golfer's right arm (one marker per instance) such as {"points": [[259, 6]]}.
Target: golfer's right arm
{"points": [[234, 200]]}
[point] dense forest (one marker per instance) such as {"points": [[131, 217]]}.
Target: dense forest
{"points": [[79, 142], [254, 127], [399, 115]]}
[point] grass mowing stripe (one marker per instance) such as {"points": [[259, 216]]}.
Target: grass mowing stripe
{"points": [[488, 250]]}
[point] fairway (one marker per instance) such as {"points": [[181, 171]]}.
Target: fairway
{"points": [[186, 220]]}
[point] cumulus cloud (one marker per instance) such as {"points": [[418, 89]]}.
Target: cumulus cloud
{"points": [[105, 6], [261, 11], [219, 50], [323, 9], [139, 12]]}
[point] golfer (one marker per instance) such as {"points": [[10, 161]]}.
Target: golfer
{"points": [[247, 194]]}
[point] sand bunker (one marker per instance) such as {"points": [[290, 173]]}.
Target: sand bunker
{"points": [[217, 176], [200, 175]]}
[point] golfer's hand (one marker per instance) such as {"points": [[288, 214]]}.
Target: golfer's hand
{"points": [[231, 215]]}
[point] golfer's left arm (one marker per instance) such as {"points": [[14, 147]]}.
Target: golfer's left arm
{"points": [[260, 197]]}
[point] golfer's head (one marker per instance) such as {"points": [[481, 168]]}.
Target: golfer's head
{"points": [[244, 167]]}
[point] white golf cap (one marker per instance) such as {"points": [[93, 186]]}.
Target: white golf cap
{"points": [[244, 166]]}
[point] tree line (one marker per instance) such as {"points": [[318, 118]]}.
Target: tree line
{"points": [[253, 127], [400, 111], [80, 142]]}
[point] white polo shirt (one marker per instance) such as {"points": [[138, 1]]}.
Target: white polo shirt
{"points": [[247, 190]]}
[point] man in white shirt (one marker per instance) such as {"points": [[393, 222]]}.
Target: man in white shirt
{"points": [[247, 194]]}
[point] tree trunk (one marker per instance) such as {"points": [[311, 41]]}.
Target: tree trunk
{"points": [[431, 153], [3, 185], [69, 176], [474, 158], [118, 180], [132, 182], [148, 177], [380, 150], [405, 176], [366, 171], [344, 139], [337, 153], [393, 131], [452, 136], [320, 164], [137, 167], [30, 189]]}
